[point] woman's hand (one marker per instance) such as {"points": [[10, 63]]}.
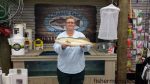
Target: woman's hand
{"points": [[64, 46], [82, 46]]}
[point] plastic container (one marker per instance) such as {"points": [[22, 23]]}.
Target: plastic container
{"points": [[18, 29], [17, 45]]}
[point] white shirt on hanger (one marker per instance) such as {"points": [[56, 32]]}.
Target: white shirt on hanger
{"points": [[109, 22]]}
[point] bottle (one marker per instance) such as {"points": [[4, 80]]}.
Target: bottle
{"points": [[17, 44], [27, 42]]}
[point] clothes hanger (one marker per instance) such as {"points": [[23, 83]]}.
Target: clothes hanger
{"points": [[111, 6]]}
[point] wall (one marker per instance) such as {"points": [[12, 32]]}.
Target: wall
{"points": [[143, 5], [28, 14]]}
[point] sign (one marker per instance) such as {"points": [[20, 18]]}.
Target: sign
{"points": [[50, 20]]}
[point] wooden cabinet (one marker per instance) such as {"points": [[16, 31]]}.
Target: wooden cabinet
{"points": [[100, 67]]}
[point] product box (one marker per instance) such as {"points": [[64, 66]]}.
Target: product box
{"points": [[18, 76]]}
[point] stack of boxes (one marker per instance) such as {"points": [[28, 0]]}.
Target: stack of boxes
{"points": [[15, 76]]}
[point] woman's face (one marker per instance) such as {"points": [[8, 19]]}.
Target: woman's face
{"points": [[70, 24]]}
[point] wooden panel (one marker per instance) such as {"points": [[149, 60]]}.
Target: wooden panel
{"points": [[28, 12], [144, 5], [18, 64], [88, 80], [75, 2]]}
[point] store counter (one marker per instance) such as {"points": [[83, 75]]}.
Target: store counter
{"points": [[41, 65]]}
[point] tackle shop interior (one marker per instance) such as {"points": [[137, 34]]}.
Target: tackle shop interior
{"points": [[118, 32]]}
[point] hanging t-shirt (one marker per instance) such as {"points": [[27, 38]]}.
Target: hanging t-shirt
{"points": [[109, 22]]}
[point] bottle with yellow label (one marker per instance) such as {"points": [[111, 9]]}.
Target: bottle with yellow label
{"points": [[38, 44]]}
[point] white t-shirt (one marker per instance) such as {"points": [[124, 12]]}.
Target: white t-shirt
{"points": [[71, 60], [109, 22]]}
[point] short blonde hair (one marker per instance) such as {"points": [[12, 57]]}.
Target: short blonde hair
{"points": [[70, 17]]}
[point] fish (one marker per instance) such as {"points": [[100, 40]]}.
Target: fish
{"points": [[73, 41]]}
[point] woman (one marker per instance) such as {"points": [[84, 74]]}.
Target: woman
{"points": [[71, 60]]}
